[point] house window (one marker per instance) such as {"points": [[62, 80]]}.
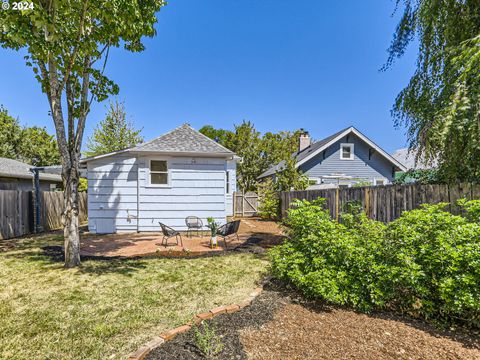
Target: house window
{"points": [[380, 181], [158, 172], [227, 179], [346, 151]]}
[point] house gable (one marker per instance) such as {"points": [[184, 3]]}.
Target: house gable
{"points": [[367, 162]]}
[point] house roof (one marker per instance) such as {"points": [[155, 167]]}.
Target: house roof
{"points": [[183, 139], [16, 169], [318, 146], [408, 158]]}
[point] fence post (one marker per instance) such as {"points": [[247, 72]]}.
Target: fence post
{"points": [[337, 202]]}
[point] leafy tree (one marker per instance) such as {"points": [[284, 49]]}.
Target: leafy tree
{"points": [[288, 177], [441, 104], [421, 176], [68, 45], [223, 137], [38, 147], [247, 144], [32, 145], [113, 133], [275, 146], [258, 152], [10, 135]]}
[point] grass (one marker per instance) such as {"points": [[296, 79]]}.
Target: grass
{"points": [[107, 308]]}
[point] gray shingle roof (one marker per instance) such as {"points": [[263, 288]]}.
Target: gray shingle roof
{"points": [[407, 158], [182, 139], [302, 154], [17, 169]]}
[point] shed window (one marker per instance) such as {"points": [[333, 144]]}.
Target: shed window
{"points": [[346, 151], [228, 182], [158, 172]]}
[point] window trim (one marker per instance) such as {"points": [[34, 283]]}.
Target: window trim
{"points": [[385, 181], [149, 172], [352, 153], [228, 188]]}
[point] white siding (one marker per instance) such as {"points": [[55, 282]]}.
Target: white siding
{"points": [[197, 187], [232, 172]]}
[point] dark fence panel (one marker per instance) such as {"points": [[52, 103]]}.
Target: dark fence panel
{"points": [[17, 212], [386, 203]]}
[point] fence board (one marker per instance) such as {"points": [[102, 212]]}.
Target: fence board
{"points": [[386, 203], [16, 212], [245, 204]]}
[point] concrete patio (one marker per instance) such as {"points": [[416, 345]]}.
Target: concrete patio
{"points": [[264, 233]]}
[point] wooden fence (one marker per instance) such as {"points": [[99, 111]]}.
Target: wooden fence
{"points": [[245, 204], [386, 203], [17, 212]]}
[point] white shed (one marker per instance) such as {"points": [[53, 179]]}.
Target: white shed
{"points": [[181, 173]]}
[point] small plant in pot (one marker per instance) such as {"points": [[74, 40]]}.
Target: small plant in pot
{"points": [[213, 226]]}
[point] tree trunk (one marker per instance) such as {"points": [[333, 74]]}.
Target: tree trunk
{"points": [[70, 217]]}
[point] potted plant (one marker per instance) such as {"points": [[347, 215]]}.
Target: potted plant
{"points": [[213, 226]]}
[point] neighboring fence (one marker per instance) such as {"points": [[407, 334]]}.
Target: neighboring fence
{"points": [[245, 204], [386, 203], [17, 212]]}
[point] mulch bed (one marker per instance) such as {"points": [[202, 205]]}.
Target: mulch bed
{"points": [[281, 325]]}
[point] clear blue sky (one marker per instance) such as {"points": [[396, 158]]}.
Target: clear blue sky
{"points": [[281, 64]]}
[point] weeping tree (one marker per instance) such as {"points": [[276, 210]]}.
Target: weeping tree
{"points": [[67, 46], [440, 107]]}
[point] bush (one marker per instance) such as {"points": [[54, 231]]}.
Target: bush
{"points": [[426, 263], [269, 202]]}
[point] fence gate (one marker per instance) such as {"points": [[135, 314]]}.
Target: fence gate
{"points": [[245, 204]]}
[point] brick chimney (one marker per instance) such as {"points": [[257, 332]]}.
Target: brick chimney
{"points": [[303, 140]]}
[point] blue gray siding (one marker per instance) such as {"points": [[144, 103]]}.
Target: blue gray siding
{"points": [[366, 165], [197, 187]]}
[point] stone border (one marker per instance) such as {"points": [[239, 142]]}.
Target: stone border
{"points": [[146, 348]]}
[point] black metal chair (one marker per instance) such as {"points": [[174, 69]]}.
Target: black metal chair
{"points": [[228, 229], [193, 223], [168, 233]]}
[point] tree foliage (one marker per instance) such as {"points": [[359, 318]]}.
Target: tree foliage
{"points": [[68, 44], [113, 133], [258, 152], [32, 145], [10, 135], [38, 147], [441, 104]]}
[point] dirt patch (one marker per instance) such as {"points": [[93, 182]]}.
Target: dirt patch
{"points": [[280, 325]]}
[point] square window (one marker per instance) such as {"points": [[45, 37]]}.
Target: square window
{"points": [[158, 172], [346, 151]]}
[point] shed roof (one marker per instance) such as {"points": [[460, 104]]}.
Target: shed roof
{"points": [[16, 169], [183, 139]]}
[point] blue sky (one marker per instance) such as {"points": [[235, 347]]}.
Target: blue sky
{"points": [[280, 64]]}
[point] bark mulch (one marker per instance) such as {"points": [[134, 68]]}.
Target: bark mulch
{"points": [[280, 325]]}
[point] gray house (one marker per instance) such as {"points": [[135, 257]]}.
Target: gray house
{"points": [[16, 175], [345, 158], [181, 173]]}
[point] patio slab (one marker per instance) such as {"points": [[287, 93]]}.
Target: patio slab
{"points": [[266, 233]]}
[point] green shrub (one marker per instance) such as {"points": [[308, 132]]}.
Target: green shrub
{"points": [[269, 202], [433, 265], [426, 263], [329, 260]]}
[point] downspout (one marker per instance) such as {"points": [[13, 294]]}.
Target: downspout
{"points": [[138, 194]]}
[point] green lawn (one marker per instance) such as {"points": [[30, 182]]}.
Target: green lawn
{"points": [[106, 309]]}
